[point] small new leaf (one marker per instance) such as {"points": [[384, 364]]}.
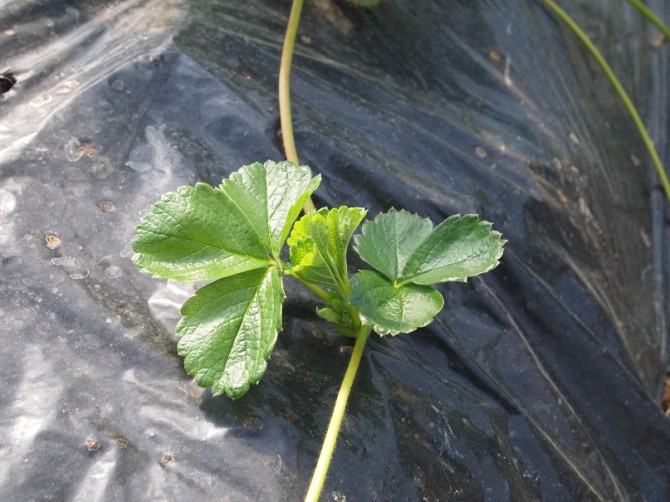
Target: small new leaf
{"points": [[319, 243], [407, 249], [229, 328], [393, 309], [339, 313]]}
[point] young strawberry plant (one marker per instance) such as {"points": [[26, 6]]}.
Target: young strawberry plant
{"points": [[234, 235]]}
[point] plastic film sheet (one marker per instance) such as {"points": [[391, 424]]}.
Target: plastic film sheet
{"points": [[541, 380]]}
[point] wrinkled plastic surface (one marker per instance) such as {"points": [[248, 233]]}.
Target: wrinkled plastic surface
{"points": [[539, 380]]}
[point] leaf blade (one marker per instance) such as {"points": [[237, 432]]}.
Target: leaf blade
{"points": [[318, 245], [388, 241], [270, 196], [458, 248], [406, 248], [229, 328], [186, 236], [204, 233], [392, 309]]}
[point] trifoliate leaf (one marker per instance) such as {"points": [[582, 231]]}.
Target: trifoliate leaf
{"points": [[392, 309], [201, 232], [194, 234], [229, 328], [271, 196], [319, 243], [405, 248]]}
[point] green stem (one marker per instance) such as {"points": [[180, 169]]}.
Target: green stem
{"points": [[284, 92], [651, 17], [619, 89], [312, 287], [329, 441]]}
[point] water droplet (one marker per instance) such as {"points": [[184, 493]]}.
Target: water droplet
{"points": [[73, 150], [72, 266], [338, 496], [140, 158], [69, 86], [107, 206], [140, 167], [40, 101], [7, 202], [113, 272]]}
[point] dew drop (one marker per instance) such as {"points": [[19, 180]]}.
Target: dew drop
{"points": [[107, 206], [113, 272], [7, 202], [72, 266], [73, 150], [40, 101], [140, 167], [338, 496], [140, 158]]}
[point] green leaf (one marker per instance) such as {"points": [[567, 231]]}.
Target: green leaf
{"points": [[458, 248], [270, 196], [393, 309], [195, 234], [319, 243], [339, 313], [406, 248], [200, 232], [229, 328], [387, 242]]}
